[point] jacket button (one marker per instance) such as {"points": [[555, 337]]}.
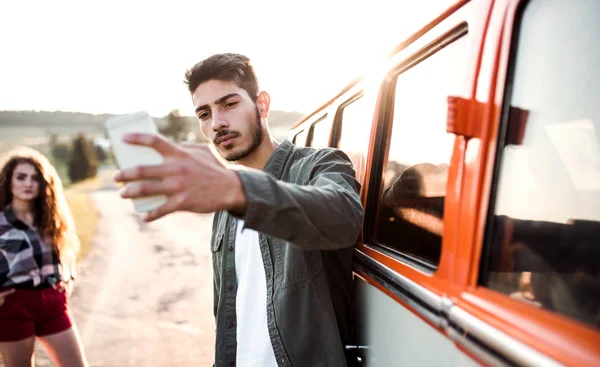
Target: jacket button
{"points": [[230, 288], [231, 363], [230, 249], [230, 325]]}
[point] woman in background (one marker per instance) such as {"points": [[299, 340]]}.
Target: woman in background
{"points": [[38, 248]]}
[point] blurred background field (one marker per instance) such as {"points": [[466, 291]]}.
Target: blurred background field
{"points": [[76, 145]]}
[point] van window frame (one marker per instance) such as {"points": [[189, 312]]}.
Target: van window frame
{"points": [[339, 118], [295, 139], [309, 126], [311, 131], [484, 262], [383, 141]]}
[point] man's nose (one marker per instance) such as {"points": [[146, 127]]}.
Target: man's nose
{"points": [[219, 122]]}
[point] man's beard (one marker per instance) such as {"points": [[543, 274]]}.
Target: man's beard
{"points": [[256, 136]]}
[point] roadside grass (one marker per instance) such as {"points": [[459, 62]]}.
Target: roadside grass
{"points": [[84, 213]]}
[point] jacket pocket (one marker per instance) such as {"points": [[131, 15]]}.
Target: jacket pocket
{"points": [[296, 265]]}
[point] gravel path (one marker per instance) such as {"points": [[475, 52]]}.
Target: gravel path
{"points": [[144, 293]]}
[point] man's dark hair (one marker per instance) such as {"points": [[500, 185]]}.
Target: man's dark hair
{"points": [[228, 67]]}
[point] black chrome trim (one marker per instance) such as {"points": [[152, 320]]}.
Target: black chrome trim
{"points": [[481, 338], [484, 341], [425, 302]]}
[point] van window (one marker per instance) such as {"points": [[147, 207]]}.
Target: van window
{"points": [[411, 204], [543, 235], [321, 131], [353, 131], [300, 138]]}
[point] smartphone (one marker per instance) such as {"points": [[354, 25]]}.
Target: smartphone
{"points": [[129, 155]]}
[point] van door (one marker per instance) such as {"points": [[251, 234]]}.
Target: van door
{"points": [[404, 265], [533, 214]]}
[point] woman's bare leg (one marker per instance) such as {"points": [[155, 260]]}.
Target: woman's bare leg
{"points": [[19, 353], [65, 348]]}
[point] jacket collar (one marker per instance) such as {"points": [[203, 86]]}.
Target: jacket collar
{"points": [[277, 161]]}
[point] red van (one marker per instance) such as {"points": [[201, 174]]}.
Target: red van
{"points": [[477, 142]]}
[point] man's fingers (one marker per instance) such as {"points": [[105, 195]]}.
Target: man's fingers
{"points": [[187, 145], [173, 204], [149, 188], [158, 142], [148, 172]]}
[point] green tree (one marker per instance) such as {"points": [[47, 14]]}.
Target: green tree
{"points": [[83, 162], [177, 126], [61, 152], [101, 154]]}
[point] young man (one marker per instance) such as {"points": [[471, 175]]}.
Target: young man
{"points": [[284, 226]]}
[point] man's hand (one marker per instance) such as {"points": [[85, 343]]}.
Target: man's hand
{"points": [[193, 179], [5, 294]]}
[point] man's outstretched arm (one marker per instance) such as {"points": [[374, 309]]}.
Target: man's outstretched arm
{"points": [[326, 213]]}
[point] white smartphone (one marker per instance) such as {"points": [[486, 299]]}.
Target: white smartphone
{"points": [[129, 155]]}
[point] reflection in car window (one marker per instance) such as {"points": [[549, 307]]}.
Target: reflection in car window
{"points": [[411, 207], [544, 238]]}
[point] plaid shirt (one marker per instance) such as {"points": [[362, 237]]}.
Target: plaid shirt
{"points": [[24, 256]]}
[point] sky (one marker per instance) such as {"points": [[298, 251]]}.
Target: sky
{"points": [[126, 56]]}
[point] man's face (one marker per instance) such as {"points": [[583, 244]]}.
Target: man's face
{"points": [[229, 118]]}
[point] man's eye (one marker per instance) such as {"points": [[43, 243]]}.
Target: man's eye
{"points": [[203, 116], [231, 104]]}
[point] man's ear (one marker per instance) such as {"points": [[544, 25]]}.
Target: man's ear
{"points": [[263, 101]]}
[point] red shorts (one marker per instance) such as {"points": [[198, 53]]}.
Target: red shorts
{"points": [[33, 312]]}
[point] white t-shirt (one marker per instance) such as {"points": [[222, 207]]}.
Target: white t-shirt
{"points": [[253, 343]]}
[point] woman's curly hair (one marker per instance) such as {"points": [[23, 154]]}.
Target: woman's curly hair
{"points": [[52, 215]]}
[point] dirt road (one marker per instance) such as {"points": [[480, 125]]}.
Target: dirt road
{"points": [[144, 293]]}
